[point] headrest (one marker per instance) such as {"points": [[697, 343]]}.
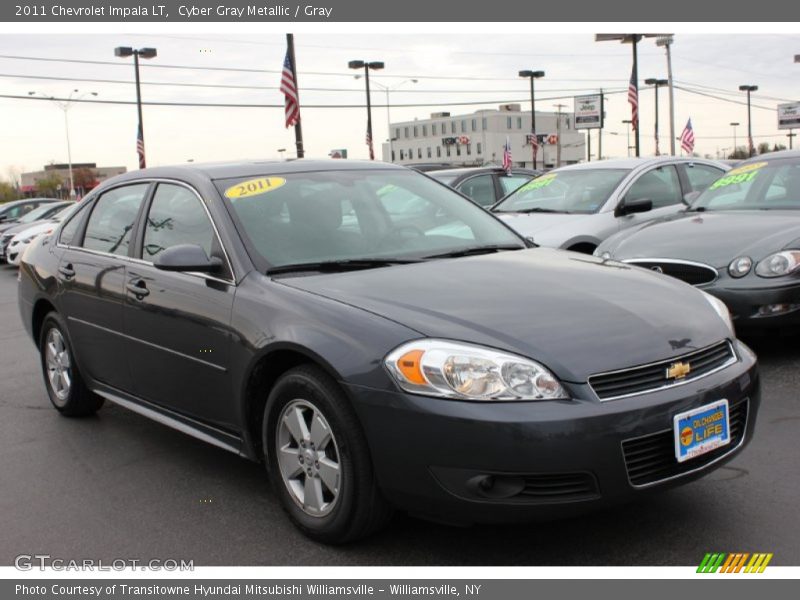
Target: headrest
{"points": [[320, 210]]}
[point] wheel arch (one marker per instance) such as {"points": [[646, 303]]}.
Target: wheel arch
{"points": [[261, 375]]}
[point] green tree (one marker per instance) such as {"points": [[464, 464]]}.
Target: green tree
{"points": [[739, 153], [7, 192], [763, 148], [49, 186]]}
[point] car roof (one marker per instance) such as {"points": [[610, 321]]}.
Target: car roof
{"points": [[255, 168], [633, 163], [474, 170], [773, 155], [24, 200]]}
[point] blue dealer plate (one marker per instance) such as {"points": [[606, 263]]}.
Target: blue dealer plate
{"points": [[701, 430]]}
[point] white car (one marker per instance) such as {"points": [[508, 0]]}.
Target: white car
{"points": [[579, 206], [21, 241]]}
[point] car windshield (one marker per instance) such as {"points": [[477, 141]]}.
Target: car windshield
{"points": [[569, 191], [359, 215], [765, 184], [36, 213]]}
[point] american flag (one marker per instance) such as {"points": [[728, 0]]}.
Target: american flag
{"points": [[507, 157], [687, 138], [140, 147], [633, 100], [369, 142], [535, 144], [289, 89]]}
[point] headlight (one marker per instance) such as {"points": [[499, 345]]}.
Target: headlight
{"points": [[740, 267], [721, 308], [778, 264], [463, 371]]}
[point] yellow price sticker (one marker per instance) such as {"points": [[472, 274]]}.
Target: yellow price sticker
{"points": [[254, 187], [539, 182], [747, 168]]}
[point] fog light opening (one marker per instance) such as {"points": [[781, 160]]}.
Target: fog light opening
{"points": [[770, 310]]}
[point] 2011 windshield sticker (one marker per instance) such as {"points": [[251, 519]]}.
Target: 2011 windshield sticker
{"points": [[254, 187], [539, 182], [739, 175]]}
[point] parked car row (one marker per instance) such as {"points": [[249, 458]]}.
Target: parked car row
{"points": [[382, 343], [15, 235]]}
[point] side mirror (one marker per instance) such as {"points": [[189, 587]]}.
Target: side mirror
{"points": [[629, 207], [690, 197], [187, 257]]}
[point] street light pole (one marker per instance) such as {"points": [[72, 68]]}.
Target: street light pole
{"points": [[65, 106], [734, 124], [147, 53], [628, 129], [790, 135], [749, 89], [388, 89], [666, 41], [533, 75], [376, 65], [656, 83]]}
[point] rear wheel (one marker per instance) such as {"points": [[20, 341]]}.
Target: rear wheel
{"points": [[318, 459], [65, 387]]}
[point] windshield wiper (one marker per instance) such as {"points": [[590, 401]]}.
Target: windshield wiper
{"points": [[539, 209], [346, 264], [696, 209], [474, 250]]}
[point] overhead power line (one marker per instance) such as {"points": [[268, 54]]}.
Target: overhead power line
{"points": [[267, 87], [242, 105], [274, 71]]}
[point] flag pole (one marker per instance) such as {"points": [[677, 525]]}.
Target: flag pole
{"points": [[298, 129]]}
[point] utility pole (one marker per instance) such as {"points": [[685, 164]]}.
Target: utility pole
{"points": [[666, 41], [749, 89], [298, 128], [790, 135], [558, 133]]}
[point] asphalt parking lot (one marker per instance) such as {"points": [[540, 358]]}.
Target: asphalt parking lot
{"points": [[120, 486]]}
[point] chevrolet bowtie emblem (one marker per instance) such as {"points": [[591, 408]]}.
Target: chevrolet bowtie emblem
{"points": [[678, 370]]}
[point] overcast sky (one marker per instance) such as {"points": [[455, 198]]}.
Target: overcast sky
{"points": [[450, 68]]}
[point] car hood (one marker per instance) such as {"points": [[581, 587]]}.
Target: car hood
{"points": [[572, 312], [714, 237], [36, 228], [546, 229]]}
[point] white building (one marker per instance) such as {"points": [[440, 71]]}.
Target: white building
{"points": [[478, 139]]}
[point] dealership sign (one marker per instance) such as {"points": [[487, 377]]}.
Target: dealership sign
{"points": [[789, 115], [589, 112]]}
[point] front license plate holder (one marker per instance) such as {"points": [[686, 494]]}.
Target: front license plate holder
{"points": [[701, 430]]}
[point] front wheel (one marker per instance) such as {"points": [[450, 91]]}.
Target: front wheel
{"points": [[318, 459], [65, 387]]}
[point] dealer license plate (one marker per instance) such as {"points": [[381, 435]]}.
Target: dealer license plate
{"points": [[701, 430]]}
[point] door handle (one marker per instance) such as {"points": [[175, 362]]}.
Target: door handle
{"points": [[138, 288], [67, 271]]}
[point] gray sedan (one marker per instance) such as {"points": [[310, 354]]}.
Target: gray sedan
{"points": [[578, 206]]}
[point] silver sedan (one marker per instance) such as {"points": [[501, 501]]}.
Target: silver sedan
{"points": [[579, 206]]}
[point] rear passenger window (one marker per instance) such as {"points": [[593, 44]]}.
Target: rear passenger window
{"points": [[660, 185], [69, 230], [176, 216], [111, 221], [701, 176], [480, 189]]}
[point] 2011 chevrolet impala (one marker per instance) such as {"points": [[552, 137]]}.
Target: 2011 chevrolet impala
{"points": [[295, 313]]}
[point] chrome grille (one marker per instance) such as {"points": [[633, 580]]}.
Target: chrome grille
{"points": [[653, 376], [651, 458], [689, 272]]}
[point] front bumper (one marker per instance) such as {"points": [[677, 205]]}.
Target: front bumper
{"points": [[747, 303], [513, 461]]}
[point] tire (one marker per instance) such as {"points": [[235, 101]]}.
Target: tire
{"points": [[65, 386], [318, 460]]}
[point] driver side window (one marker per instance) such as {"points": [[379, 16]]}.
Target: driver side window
{"points": [[661, 185]]}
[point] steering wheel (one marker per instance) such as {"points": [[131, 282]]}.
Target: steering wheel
{"points": [[399, 233]]}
